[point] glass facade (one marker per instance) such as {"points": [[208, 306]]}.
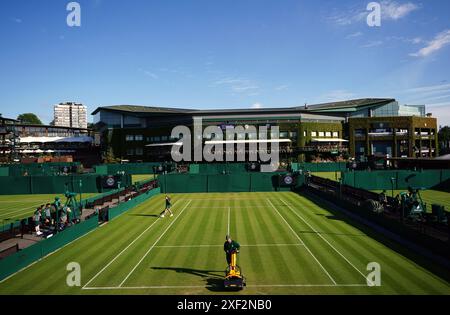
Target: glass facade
{"points": [[112, 120], [391, 109]]}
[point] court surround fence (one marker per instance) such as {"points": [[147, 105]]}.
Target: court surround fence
{"points": [[27, 256], [401, 179], [128, 168], [39, 169], [239, 182], [25, 185]]}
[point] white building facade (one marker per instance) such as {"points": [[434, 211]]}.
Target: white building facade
{"points": [[70, 115]]}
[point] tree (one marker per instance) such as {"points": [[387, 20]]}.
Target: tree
{"points": [[108, 157], [29, 118], [444, 140]]}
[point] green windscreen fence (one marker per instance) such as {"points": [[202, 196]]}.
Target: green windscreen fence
{"points": [[229, 183], [125, 206], [244, 182], [43, 169], [129, 168], [27, 256], [402, 179], [194, 169], [24, 185], [4, 171], [219, 168], [320, 167]]}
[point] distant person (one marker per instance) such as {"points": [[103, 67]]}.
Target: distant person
{"points": [[382, 198], [48, 214], [63, 215], [37, 221], [229, 247], [23, 226], [168, 207]]}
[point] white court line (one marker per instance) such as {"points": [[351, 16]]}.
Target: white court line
{"points": [[250, 245], [153, 246], [212, 208], [119, 254], [222, 199], [212, 286], [23, 209], [228, 226], [320, 235], [318, 262]]}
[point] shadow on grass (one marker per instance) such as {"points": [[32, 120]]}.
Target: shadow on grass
{"points": [[331, 217], [214, 281], [419, 259]]}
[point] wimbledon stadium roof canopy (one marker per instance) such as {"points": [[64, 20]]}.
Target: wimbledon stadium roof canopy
{"points": [[332, 107]]}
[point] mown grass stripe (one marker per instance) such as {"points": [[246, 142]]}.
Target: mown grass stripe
{"points": [[363, 249]]}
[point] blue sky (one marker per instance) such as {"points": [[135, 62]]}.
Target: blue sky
{"points": [[222, 54]]}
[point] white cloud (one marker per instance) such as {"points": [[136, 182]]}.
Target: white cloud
{"points": [[149, 74], [430, 88], [441, 112], [440, 40], [282, 87], [373, 44], [390, 10], [353, 35], [238, 85], [17, 20], [257, 105], [416, 40], [347, 18]]}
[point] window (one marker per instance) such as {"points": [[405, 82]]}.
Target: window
{"points": [[139, 137], [335, 134], [164, 138], [321, 134], [130, 151], [313, 134], [328, 134], [293, 134], [283, 134], [304, 133], [139, 151], [129, 137], [157, 139]]}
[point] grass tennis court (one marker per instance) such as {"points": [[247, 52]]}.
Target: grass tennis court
{"points": [[141, 177], [289, 245], [328, 175], [15, 207]]}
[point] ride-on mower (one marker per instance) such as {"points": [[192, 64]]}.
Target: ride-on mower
{"points": [[234, 278]]}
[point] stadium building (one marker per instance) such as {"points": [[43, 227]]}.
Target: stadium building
{"points": [[330, 131], [323, 132], [28, 141]]}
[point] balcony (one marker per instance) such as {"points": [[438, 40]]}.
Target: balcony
{"points": [[323, 148], [380, 134]]}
